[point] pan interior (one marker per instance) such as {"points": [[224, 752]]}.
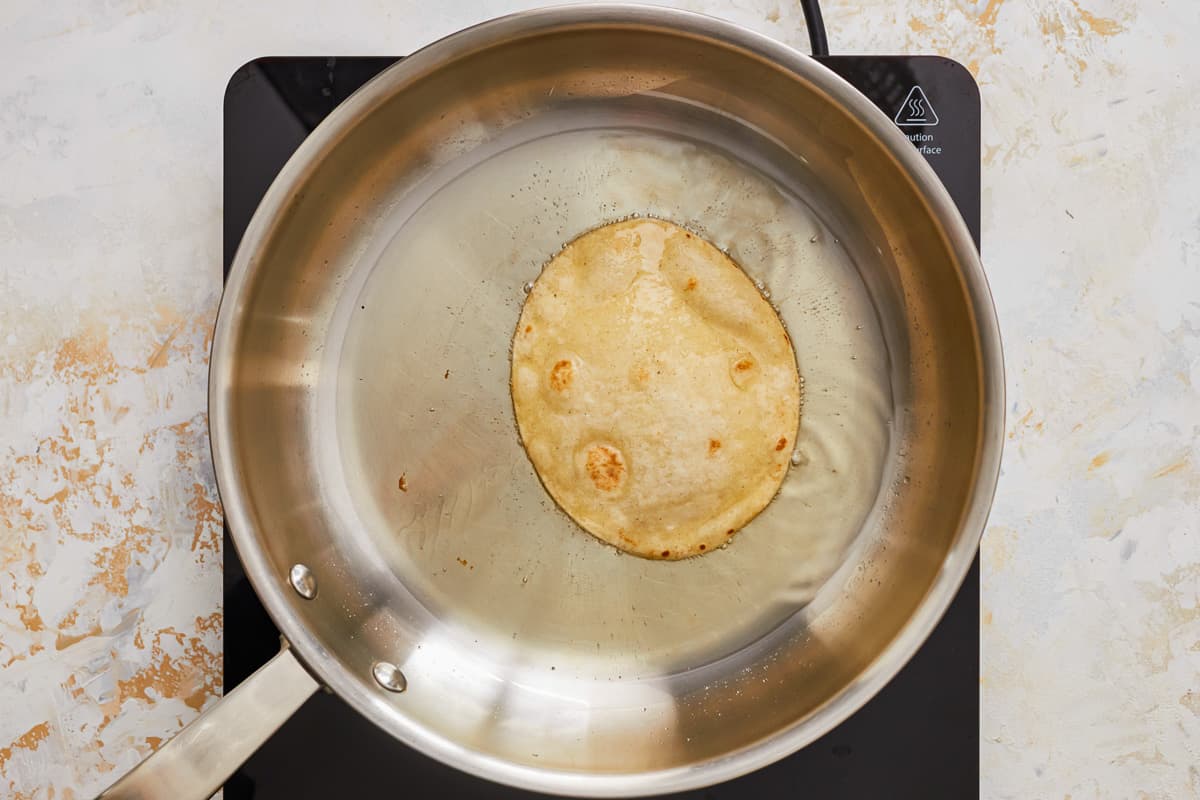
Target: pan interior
{"points": [[364, 339], [441, 489]]}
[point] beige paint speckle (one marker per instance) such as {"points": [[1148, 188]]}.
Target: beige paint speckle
{"points": [[1171, 469], [998, 545], [1102, 26], [26, 741]]}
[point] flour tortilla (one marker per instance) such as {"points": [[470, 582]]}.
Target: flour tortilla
{"points": [[655, 390]]}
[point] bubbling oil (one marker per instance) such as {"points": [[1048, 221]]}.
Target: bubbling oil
{"points": [[423, 391]]}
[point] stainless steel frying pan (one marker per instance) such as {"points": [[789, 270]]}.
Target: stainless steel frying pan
{"points": [[382, 504]]}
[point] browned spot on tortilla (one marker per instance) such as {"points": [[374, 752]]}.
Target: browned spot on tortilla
{"points": [[446, 375], [703, 547], [782, 443], [528, 328], [666, 553], [402, 484], [691, 284], [743, 364], [987, 617], [713, 446], [605, 467], [154, 741], [1100, 460], [29, 740], [561, 375]]}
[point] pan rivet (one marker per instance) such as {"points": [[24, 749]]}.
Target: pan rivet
{"points": [[389, 676], [303, 581]]}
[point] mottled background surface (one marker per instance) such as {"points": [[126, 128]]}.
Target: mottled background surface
{"points": [[110, 601]]}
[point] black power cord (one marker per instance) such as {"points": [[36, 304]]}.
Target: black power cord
{"points": [[816, 27]]}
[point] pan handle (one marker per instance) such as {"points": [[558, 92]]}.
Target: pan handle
{"points": [[199, 759]]}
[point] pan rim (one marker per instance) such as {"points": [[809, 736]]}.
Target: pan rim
{"points": [[754, 755]]}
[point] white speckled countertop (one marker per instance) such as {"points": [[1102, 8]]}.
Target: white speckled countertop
{"points": [[110, 562]]}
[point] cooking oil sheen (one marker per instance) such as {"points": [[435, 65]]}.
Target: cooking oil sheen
{"points": [[422, 390]]}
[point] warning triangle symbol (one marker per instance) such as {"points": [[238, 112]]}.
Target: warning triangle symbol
{"points": [[916, 109]]}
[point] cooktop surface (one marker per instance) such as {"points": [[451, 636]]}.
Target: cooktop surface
{"points": [[918, 738]]}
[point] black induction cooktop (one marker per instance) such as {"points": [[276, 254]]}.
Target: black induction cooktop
{"points": [[918, 738]]}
